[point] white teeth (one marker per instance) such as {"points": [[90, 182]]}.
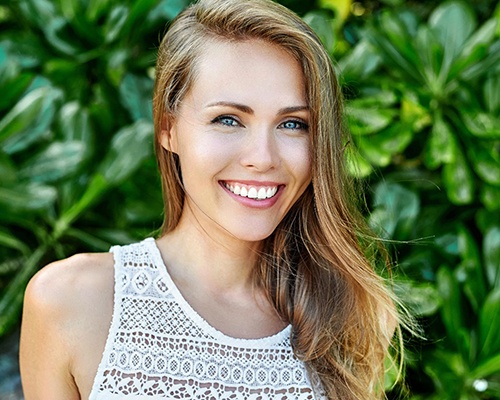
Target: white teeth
{"points": [[252, 192]]}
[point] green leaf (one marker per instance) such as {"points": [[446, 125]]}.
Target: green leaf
{"points": [[490, 197], [129, 148], [422, 299], [492, 94], [451, 310], [484, 64], [491, 251], [135, 94], [486, 368], [441, 147], [481, 124], [115, 22], [59, 160], [59, 35], [363, 121], [453, 22], [357, 165], [7, 239], [323, 26], [26, 197], [360, 63], [475, 48], [469, 272], [395, 44], [430, 53], [489, 321], [29, 119], [458, 180], [486, 163], [395, 211]]}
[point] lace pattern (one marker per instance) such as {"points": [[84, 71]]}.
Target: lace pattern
{"points": [[158, 346]]}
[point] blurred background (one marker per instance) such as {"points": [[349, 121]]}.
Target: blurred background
{"points": [[422, 84]]}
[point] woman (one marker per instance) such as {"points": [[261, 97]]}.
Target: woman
{"points": [[258, 287]]}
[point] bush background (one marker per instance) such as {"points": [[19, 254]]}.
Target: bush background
{"points": [[422, 84]]}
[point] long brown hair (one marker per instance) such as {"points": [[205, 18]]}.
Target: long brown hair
{"points": [[313, 267]]}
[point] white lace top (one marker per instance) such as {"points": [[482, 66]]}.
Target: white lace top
{"points": [[159, 347]]}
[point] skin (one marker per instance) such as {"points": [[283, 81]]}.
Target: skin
{"points": [[244, 120]]}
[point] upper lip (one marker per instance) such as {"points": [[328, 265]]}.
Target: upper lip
{"points": [[251, 182]]}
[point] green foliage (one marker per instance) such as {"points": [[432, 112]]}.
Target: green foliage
{"points": [[424, 111], [422, 83]]}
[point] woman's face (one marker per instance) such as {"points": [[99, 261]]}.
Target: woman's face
{"points": [[241, 134]]}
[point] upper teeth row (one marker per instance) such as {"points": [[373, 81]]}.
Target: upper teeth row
{"points": [[252, 192]]}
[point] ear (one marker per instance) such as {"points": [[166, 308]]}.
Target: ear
{"points": [[168, 135]]}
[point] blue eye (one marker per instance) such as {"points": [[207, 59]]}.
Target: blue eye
{"points": [[294, 125], [226, 120]]}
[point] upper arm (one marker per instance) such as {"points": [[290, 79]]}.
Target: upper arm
{"points": [[45, 355]]}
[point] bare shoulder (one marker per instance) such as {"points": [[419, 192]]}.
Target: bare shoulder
{"points": [[67, 311], [62, 285]]}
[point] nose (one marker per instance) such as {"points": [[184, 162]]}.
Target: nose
{"points": [[260, 151]]}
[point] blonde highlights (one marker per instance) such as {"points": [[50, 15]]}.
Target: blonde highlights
{"points": [[313, 267]]}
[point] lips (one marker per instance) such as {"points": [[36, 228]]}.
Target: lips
{"points": [[255, 192]]}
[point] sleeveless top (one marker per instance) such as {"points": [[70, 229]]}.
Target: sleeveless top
{"points": [[159, 347]]}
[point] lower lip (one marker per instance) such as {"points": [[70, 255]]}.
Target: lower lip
{"points": [[254, 203]]}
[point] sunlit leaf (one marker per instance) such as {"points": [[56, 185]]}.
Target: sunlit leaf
{"points": [[57, 161], [129, 148], [29, 119]]}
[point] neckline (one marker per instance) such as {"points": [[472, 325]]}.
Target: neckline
{"points": [[198, 320]]}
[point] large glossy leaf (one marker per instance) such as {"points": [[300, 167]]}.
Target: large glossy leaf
{"points": [[362, 61], [486, 163], [481, 124], [453, 22], [29, 119], [59, 160], [489, 321], [135, 94], [474, 49], [491, 250], [441, 146], [363, 121], [129, 148], [492, 94], [459, 180], [26, 197], [395, 211]]}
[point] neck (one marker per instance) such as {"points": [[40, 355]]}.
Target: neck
{"points": [[220, 261]]}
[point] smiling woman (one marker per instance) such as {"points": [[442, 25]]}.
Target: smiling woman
{"points": [[258, 287]]}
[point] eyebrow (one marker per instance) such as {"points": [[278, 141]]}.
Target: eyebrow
{"points": [[248, 110]]}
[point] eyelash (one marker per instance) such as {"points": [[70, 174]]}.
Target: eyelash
{"points": [[300, 125]]}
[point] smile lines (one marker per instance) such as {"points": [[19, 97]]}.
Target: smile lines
{"points": [[252, 192]]}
